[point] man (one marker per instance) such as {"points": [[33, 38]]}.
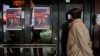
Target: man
{"points": [[79, 43], [64, 36]]}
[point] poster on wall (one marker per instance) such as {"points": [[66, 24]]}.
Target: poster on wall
{"points": [[14, 19], [41, 18]]}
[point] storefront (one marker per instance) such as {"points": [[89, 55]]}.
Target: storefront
{"points": [[35, 29]]}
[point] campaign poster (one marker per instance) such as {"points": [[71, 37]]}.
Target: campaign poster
{"points": [[41, 17], [14, 19]]}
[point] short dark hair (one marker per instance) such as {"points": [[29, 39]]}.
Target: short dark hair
{"points": [[75, 13]]}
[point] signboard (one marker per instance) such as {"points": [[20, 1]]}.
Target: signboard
{"points": [[14, 19], [41, 18]]}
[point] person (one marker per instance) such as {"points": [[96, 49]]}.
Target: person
{"points": [[79, 43], [16, 22], [64, 36]]}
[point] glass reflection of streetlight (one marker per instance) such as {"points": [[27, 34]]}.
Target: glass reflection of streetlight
{"points": [[20, 3]]}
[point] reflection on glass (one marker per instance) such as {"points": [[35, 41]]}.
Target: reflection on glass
{"points": [[18, 3], [46, 36]]}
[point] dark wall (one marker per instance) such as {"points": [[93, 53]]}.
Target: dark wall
{"points": [[97, 6], [96, 31], [77, 1], [1, 33], [97, 27]]}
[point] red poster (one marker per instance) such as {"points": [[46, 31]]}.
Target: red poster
{"points": [[14, 19], [41, 17]]}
